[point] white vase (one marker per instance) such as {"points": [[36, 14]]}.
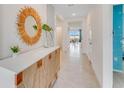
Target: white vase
{"points": [[14, 55], [46, 43], [49, 40]]}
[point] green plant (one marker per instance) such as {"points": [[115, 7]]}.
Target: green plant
{"points": [[15, 49], [45, 27]]}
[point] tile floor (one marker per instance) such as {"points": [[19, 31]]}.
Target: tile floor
{"points": [[118, 79], [76, 70]]}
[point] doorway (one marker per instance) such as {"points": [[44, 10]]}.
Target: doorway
{"points": [[75, 36]]}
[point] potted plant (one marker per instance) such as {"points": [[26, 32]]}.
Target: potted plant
{"points": [[47, 29], [15, 50]]}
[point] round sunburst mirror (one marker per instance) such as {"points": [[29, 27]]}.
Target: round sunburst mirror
{"points": [[27, 18]]}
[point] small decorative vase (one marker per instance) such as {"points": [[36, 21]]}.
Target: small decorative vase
{"points": [[46, 45], [52, 40], [14, 55], [49, 42]]}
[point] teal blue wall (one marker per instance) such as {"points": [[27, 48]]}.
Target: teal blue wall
{"points": [[117, 37]]}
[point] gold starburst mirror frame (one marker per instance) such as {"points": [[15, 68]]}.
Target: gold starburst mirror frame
{"points": [[23, 15]]}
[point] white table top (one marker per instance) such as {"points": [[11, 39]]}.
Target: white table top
{"points": [[25, 60]]}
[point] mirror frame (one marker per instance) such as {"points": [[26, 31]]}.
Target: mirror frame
{"points": [[24, 13]]}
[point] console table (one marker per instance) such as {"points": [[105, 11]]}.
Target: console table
{"points": [[35, 69]]}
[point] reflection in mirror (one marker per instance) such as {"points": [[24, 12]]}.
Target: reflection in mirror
{"points": [[29, 23]]}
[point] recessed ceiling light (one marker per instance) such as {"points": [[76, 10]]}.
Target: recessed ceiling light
{"points": [[73, 14]]}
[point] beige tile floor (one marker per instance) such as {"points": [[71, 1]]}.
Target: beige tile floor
{"points": [[118, 79], [76, 70]]}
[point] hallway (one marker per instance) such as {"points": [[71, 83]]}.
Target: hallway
{"points": [[38, 34], [76, 71]]}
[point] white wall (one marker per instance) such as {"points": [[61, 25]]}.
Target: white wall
{"points": [[107, 46], [59, 30], [87, 38], [97, 41], [51, 16], [0, 45], [75, 24], [62, 35], [85, 35], [66, 37], [9, 31], [59, 35], [101, 26], [51, 19]]}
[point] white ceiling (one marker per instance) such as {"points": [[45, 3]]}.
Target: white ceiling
{"points": [[66, 10]]}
